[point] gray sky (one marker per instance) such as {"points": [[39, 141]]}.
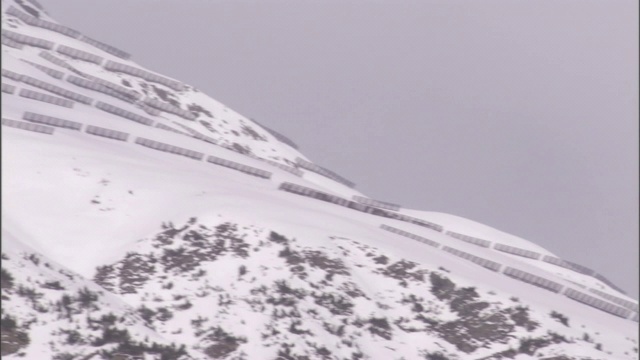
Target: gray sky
{"points": [[522, 115]]}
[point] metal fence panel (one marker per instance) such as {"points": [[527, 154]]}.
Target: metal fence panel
{"points": [[338, 178], [132, 70], [7, 88], [12, 10], [50, 120], [323, 171], [108, 133], [597, 303], [581, 269], [609, 283], [283, 139], [116, 87], [410, 235], [168, 128], [491, 265], [104, 47], [286, 168], [79, 54], [533, 279], [149, 110], [47, 55], [557, 261], [376, 203], [36, 4], [240, 167], [169, 148], [35, 95], [123, 113], [57, 28], [56, 90], [422, 223], [14, 44], [617, 300], [88, 84], [33, 21], [469, 239], [28, 40], [199, 136], [54, 60], [28, 126], [47, 70], [297, 189], [170, 109], [12, 75], [517, 251]]}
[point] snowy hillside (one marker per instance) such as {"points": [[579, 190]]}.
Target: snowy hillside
{"points": [[143, 219]]}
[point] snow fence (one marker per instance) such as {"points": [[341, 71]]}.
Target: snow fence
{"points": [[198, 135], [597, 303], [104, 47], [108, 133], [581, 269], [169, 128], [35, 95], [57, 61], [123, 113], [146, 75], [148, 109], [156, 145], [324, 172], [56, 90], [36, 4], [170, 109], [283, 139], [289, 169], [302, 190], [517, 251], [469, 239], [410, 235], [319, 195], [7, 88], [28, 40], [28, 126], [12, 75], [33, 21], [116, 87], [414, 220], [609, 283], [47, 70], [491, 265], [240, 167], [616, 300], [558, 262], [11, 43], [50, 120], [533, 279], [79, 54], [92, 85], [376, 203]]}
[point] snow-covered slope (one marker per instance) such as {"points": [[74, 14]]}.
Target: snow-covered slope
{"points": [[115, 250]]}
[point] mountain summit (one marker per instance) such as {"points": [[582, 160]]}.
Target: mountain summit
{"points": [[143, 219]]}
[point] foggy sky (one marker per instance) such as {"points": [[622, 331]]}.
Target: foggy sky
{"points": [[519, 115]]}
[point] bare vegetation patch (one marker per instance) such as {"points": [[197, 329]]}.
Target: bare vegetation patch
{"points": [[13, 337]]}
